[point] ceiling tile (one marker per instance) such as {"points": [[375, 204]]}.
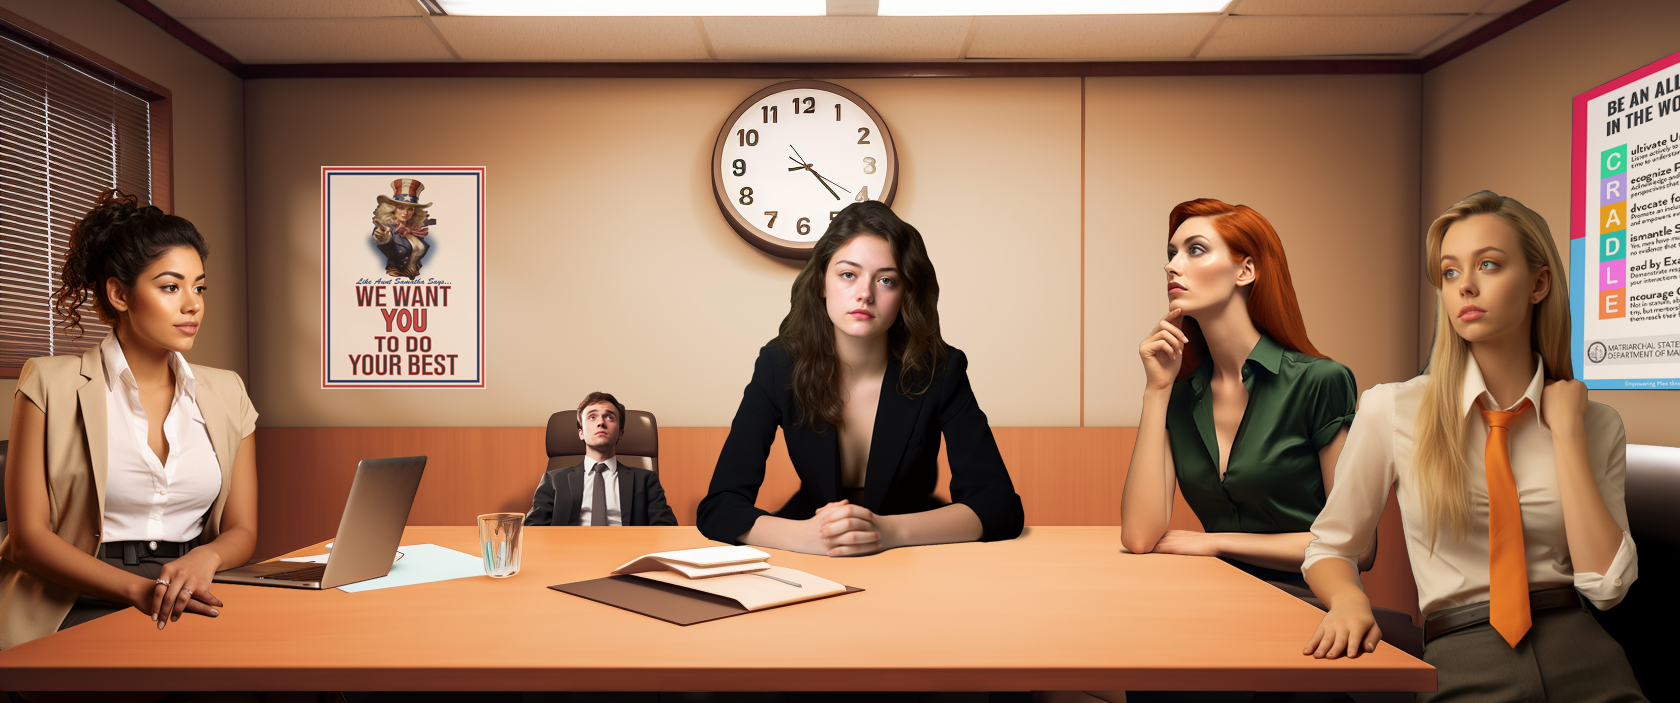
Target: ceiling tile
{"points": [[1353, 7], [573, 38], [322, 40], [1088, 37], [836, 38], [192, 9], [1241, 37], [1469, 24]]}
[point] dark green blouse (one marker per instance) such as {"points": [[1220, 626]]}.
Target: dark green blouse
{"points": [[1273, 482]]}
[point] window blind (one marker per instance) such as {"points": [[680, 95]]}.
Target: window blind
{"points": [[65, 135]]}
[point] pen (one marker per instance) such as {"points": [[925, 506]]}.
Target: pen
{"points": [[790, 583]]}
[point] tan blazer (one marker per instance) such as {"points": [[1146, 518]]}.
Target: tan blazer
{"points": [[71, 391]]}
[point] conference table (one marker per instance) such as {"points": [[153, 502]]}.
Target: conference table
{"points": [[1061, 608]]}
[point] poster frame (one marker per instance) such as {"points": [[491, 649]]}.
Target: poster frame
{"points": [[479, 172], [1578, 165]]}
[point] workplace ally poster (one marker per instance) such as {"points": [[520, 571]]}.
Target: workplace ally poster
{"points": [[402, 277], [1624, 239]]}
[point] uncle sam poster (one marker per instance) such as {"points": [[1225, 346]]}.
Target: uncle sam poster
{"points": [[402, 277]]}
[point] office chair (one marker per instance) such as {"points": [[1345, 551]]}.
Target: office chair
{"points": [[1643, 620], [639, 447]]}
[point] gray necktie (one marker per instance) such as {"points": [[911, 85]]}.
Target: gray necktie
{"points": [[598, 504]]}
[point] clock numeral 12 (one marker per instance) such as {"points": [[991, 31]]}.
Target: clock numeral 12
{"points": [[748, 137], [810, 105]]}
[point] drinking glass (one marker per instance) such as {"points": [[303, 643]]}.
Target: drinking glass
{"points": [[499, 539]]}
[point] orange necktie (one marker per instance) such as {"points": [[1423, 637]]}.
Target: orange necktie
{"points": [[1507, 561]]}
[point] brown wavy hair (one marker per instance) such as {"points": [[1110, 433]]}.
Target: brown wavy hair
{"points": [[808, 335], [118, 239], [1272, 305]]}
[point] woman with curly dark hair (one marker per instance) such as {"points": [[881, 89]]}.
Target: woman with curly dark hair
{"points": [[862, 386], [131, 475]]}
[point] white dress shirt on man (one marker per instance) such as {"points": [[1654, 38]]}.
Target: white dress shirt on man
{"points": [[615, 516], [147, 499], [1378, 455]]}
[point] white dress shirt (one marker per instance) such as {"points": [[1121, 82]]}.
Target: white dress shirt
{"points": [[1378, 455], [615, 517], [146, 499]]}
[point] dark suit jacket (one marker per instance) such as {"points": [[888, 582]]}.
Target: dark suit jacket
{"points": [[903, 465], [559, 498]]}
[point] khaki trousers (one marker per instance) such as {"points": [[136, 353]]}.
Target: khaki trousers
{"points": [[1565, 657]]}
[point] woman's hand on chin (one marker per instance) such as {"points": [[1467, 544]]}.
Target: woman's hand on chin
{"points": [[1189, 543], [842, 529]]}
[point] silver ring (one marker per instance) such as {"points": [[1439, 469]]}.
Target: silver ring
{"points": [[186, 591], [163, 581]]}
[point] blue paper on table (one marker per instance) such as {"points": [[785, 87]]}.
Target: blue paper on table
{"points": [[422, 563]]}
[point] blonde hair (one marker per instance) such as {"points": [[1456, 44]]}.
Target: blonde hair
{"points": [[1440, 467], [386, 213]]}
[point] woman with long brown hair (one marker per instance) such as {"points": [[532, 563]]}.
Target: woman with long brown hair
{"points": [[862, 386], [1510, 482], [1240, 411], [169, 445]]}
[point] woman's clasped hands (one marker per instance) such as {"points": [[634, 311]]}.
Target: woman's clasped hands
{"points": [[182, 587], [844, 529]]}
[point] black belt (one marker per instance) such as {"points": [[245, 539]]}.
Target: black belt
{"points": [[1455, 619], [131, 552]]}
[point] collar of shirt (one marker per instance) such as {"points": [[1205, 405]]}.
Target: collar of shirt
{"points": [[117, 369], [1267, 354], [589, 465], [1475, 388]]}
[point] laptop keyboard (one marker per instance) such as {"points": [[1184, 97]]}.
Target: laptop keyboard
{"points": [[312, 573]]}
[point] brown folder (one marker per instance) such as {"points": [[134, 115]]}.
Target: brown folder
{"points": [[663, 601]]}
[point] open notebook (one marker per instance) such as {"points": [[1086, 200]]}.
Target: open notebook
{"points": [[696, 585]]}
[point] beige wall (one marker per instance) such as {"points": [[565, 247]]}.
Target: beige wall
{"points": [[209, 153], [1498, 118], [609, 180], [1331, 161]]}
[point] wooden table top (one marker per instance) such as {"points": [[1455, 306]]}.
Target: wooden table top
{"points": [[1061, 608]]}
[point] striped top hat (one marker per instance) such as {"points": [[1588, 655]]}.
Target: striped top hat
{"points": [[405, 192]]}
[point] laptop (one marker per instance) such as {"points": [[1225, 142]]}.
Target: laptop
{"points": [[368, 534]]}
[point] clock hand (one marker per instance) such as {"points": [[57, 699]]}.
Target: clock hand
{"points": [[821, 181], [801, 158], [836, 185]]}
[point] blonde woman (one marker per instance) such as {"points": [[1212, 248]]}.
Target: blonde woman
{"points": [[1510, 482], [400, 225]]}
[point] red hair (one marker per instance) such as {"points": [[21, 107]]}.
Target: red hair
{"points": [[1271, 298]]}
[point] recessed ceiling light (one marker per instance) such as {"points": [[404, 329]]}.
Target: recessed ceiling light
{"points": [[635, 8], [1048, 7]]}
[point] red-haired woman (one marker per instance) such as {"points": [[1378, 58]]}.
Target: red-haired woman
{"points": [[1239, 409]]}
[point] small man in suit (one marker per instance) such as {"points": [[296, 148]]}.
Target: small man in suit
{"points": [[599, 492]]}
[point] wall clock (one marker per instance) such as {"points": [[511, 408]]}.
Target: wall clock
{"points": [[792, 155]]}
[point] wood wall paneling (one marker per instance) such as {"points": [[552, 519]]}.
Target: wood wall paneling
{"points": [[1065, 476]]}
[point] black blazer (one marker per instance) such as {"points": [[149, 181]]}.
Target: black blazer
{"points": [[903, 465], [559, 498]]}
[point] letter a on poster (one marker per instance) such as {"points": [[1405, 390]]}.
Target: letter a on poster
{"points": [[402, 277], [1624, 236]]}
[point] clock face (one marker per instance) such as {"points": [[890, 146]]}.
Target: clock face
{"points": [[792, 156]]}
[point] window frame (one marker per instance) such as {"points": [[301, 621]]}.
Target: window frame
{"points": [[14, 26]]}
